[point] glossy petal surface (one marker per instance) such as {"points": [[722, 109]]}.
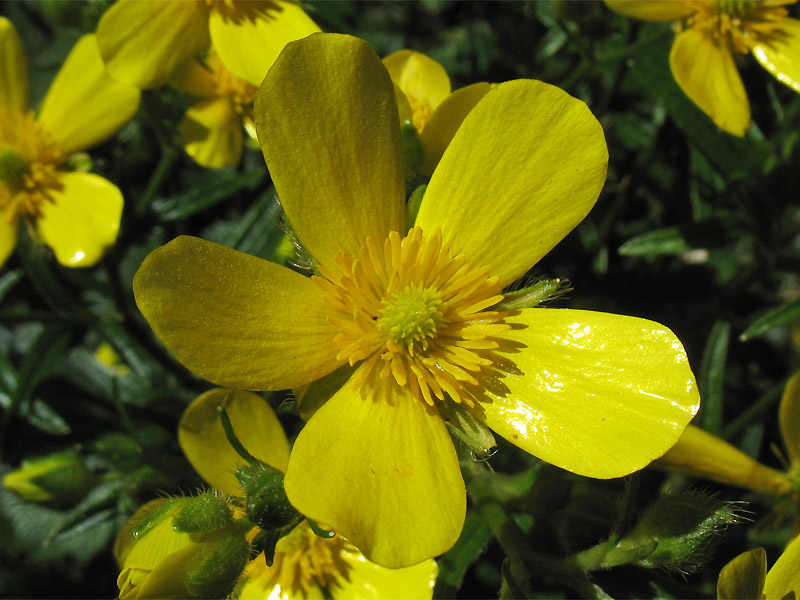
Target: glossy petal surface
{"points": [[783, 578], [369, 581], [743, 577], [250, 37], [204, 443], [211, 133], [383, 473], [652, 10], [600, 395], [524, 168], [239, 321], [780, 55], [13, 69], [84, 106], [327, 123], [446, 120], [704, 68], [419, 76], [83, 219], [144, 42], [8, 235], [789, 418]]}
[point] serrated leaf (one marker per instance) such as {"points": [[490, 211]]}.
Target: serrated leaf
{"points": [[776, 317], [712, 376], [677, 240]]}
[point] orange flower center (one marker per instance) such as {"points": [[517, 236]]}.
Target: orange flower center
{"points": [[421, 111], [417, 316]]}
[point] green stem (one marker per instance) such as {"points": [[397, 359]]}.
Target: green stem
{"points": [[168, 158]]}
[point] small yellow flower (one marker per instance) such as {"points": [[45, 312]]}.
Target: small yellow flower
{"points": [[600, 395], [146, 42], [211, 130], [711, 33], [746, 575], [108, 357], [425, 99], [76, 214]]}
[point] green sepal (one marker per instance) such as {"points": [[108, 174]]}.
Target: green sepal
{"points": [[223, 557], [533, 295], [413, 152], [203, 514], [414, 202], [267, 504], [464, 425]]}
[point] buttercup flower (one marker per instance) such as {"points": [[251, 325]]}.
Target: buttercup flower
{"points": [[145, 42], [711, 33], [76, 214], [426, 101], [211, 130], [746, 575], [414, 311], [304, 564]]}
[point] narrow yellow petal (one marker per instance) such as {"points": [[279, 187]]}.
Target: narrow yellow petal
{"points": [[702, 454], [249, 37], [211, 133], [383, 473], [743, 577], [653, 10], [783, 579], [144, 42], [779, 53], [524, 168], [13, 69], [239, 321], [789, 418], [84, 106], [83, 219], [327, 123], [369, 581], [600, 395], [204, 442], [446, 120], [704, 68], [422, 79], [8, 234]]}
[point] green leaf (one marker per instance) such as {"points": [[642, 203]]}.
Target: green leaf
{"points": [[776, 317], [9, 280], [38, 271], [454, 564], [209, 190], [712, 377], [677, 240]]}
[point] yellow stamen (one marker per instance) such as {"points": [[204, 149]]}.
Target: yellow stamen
{"points": [[421, 111], [416, 316]]}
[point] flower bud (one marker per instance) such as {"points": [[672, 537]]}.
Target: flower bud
{"points": [[203, 514], [59, 478], [267, 504]]}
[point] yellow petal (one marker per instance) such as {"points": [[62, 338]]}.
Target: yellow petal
{"points": [[422, 79], [13, 69], [743, 577], [144, 42], [701, 454], [168, 577], [196, 78], [369, 581], [789, 418], [211, 133], [446, 120], [653, 10], [125, 538], [249, 37], [784, 576], [383, 473], [403, 106], [524, 168], [327, 123], [84, 106], [600, 395], [780, 53], [204, 442], [239, 321], [83, 219], [704, 68], [8, 234]]}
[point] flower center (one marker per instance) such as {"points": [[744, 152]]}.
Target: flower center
{"points": [[421, 111], [416, 316]]}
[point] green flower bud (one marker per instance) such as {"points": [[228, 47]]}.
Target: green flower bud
{"points": [[413, 152], [534, 295], [223, 557], [203, 514], [463, 424], [267, 504], [59, 478]]}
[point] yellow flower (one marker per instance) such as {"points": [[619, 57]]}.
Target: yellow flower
{"points": [[304, 563], [211, 130], [108, 357], [77, 214], [146, 42], [426, 101], [711, 33], [746, 575], [597, 394]]}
